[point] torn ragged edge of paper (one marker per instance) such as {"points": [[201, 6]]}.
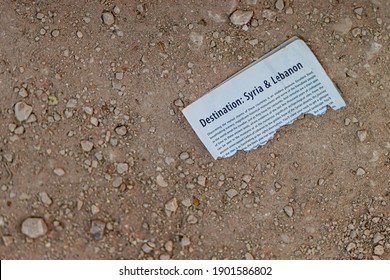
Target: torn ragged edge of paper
{"points": [[294, 53]]}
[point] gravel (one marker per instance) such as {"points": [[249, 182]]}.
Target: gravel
{"points": [[108, 18], [22, 111], [161, 181], [279, 4], [59, 171], [289, 211], [362, 135], [86, 145], [171, 206], [97, 229], [34, 227], [240, 17]]}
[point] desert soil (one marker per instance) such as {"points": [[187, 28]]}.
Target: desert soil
{"points": [[98, 162]]}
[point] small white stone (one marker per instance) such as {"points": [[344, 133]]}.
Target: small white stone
{"points": [[72, 103], [161, 181], [343, 26], [23, 92], [55, 33], [248, 256], [108, 18], [94, 121], [289, 11], [117, 182], [240, 17], [168, 246], [202, 180], [171, 205], [146, 248], [121, 130], [192, 219], [231, 193], [269, 14], [185, 241], [122, 167], [79, 34], [279, 4], [45, 199], [59, 171], [247, 178], [119, 75], [19, 130], [94, 209], [184, 155], [379, 250], [362, 135], [34, 227], [358, 11], [289, 211], [22, 111], [360, 171], [86, 146], [116, 10], [351, 246]]}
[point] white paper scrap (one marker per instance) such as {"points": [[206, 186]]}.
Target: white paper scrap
{"points": [[245, 111]]}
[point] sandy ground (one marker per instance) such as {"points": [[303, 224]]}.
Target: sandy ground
{"points": [[98, 162]]}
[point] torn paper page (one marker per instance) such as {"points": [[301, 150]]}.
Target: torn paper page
{"points": [[245, 111]]}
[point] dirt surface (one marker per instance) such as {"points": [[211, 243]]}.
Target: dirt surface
{"points": [[98, 162]]}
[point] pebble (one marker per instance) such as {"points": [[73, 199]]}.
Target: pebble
{"points": [[117, 182], [320, 181], [19, 130], [269, 14], [34, 227], [119, 75], [55, 33], [362, 135], [146, 248], [22, 111], [168, 246], [358, 11], [231, 193], [108, 18], [59, 171], [360, 171], [94, 209], [248, 256], [247, 178], [185, 241], [343, 26], [171, 205], [279, 4], [240, 17], [277, 186], [253, 42], [72, 103], [192, 219], [184, 155], [7, 240], [45, 199], [289, 211], [202, 180], [116, 10], [79, 34], [378, 237], [122, 167], [86, 145], [23, 92], [289, 11], [121, 130], [351, 246], [379, 250], [161, 181], [97, 229]]}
